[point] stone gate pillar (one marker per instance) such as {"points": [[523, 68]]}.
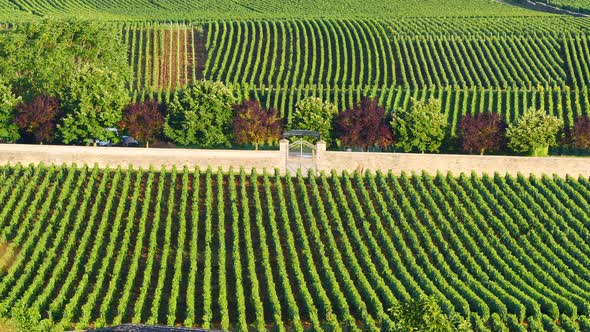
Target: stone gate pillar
{"points": [[284, 151], [320, 155]]}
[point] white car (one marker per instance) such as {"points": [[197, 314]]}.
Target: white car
{"points": [[125, 140]]}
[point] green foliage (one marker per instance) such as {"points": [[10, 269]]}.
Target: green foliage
{"points": [[315, 114], [81, 63], [488, 79], [421, 128], [584, 323], [93, 101], [497, 324], [98, 246], [29, 320], [568, 324], [535, 324], [488, 64], [581, 6], [514, 324], [164, 10], [535, 129], [201, 114], [47, 56], [425, 315], [478, 324], [8, 102]]}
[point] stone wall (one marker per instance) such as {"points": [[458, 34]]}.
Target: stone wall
{"points": [[431, 163], [326, 160], [457, 164], [139, 157]]}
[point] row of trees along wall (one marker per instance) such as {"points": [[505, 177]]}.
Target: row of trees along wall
{"points": [[71, 94]]}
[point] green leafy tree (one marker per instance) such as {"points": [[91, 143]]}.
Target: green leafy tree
{"points": [[8, 102], [534, 132], [43, 57], [313, 113], [425, 315], [201, 114], [82, 63], [422, 127], [92, 102]]}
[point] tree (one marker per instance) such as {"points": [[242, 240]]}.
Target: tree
{"points": [[422, 127], [581, 133], [8, 103], [313, 113], [143, 121], [39, 117], [255, 125], [43, 56], [201, 114], [534, 132], [82, 63], [425, 315], [481, 132], [364, 125], [92, 102]]}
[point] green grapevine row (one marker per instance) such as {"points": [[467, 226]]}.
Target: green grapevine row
{"points": [[252, 251], [338, 53], [177, 10], [510, 103], [581, 6]]}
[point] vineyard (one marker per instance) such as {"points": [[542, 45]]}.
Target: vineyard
{"points": [[510, 103], [496, 64], [338, 53], [474, 55], [234, 250], [177, 10], [582, 6], [89, 247]]}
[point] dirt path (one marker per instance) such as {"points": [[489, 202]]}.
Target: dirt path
{"points": [[542, 7]]}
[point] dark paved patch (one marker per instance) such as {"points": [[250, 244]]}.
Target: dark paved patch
{"points": [[543, 7], [149, 328]]}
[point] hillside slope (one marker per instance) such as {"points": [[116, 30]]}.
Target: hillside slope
{"points": [[473, 64], [579, 6], [176, 10], [230, 251]]}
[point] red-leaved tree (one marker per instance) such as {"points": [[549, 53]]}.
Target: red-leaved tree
{"points": [[143, 121], [481, 132], [364, 125], [255, 125], [581, 133], [39, 117]]}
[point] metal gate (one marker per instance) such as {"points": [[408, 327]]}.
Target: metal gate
{"points": [[301, 156]]}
